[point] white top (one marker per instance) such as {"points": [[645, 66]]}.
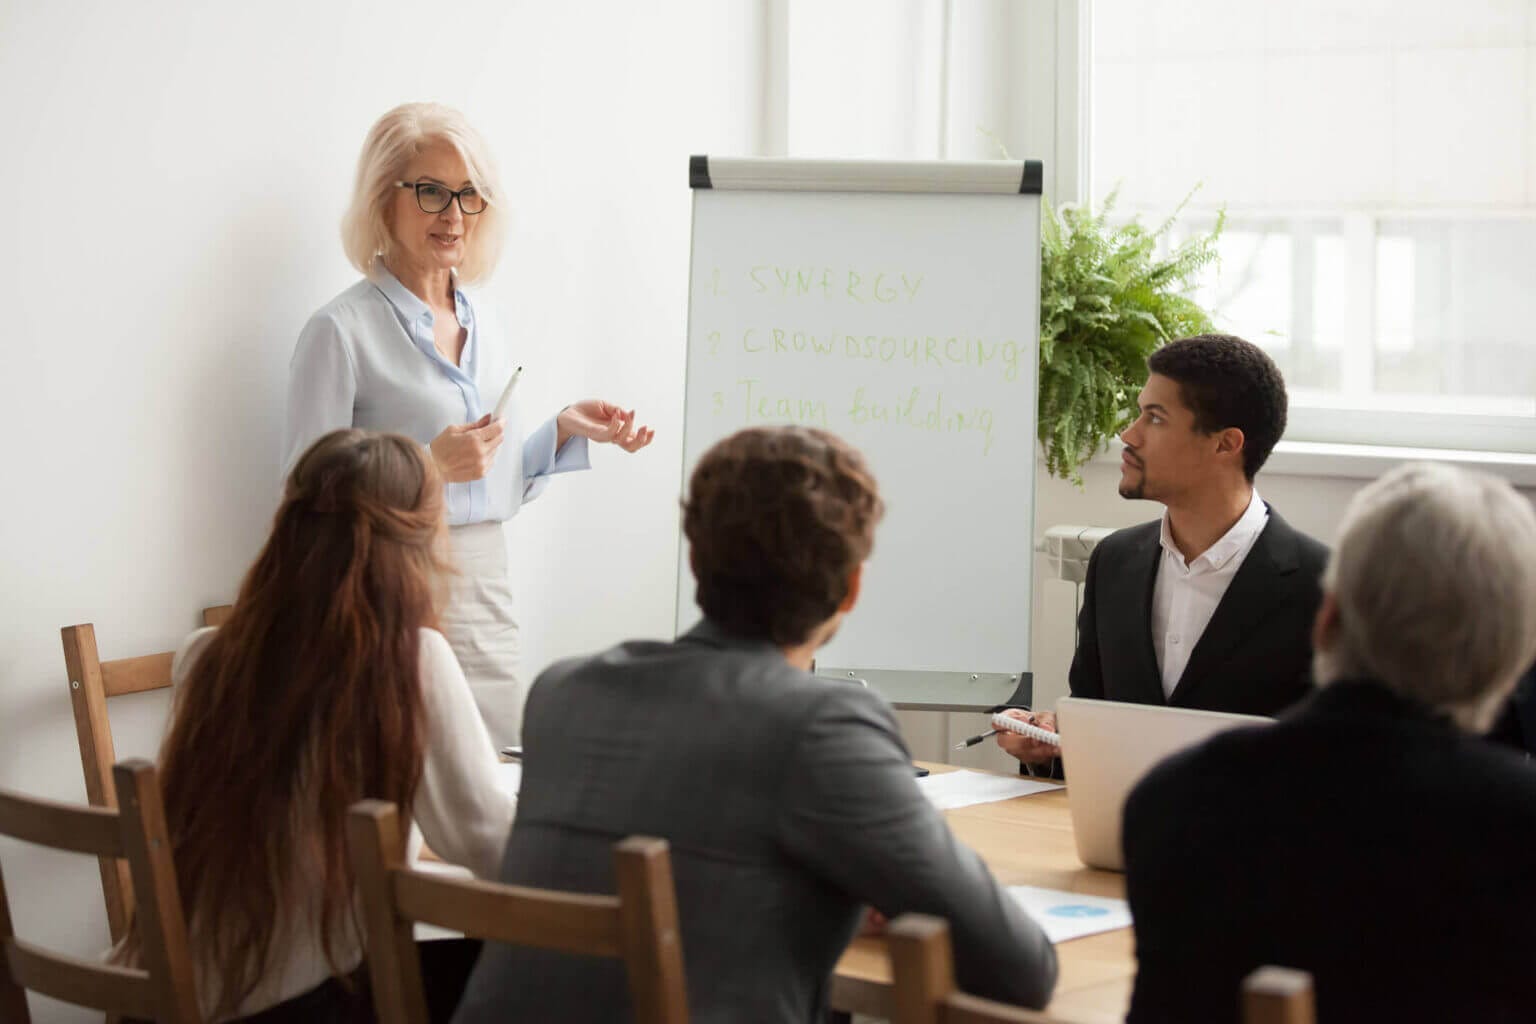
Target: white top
{"points": [[367, 359], [465, 814], [1186, 595]]}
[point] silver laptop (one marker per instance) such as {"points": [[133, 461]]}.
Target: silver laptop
{"points": [[1107, 746]]}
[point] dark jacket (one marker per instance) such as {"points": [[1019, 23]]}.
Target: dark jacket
{"points": [[1516, 724], [789, 803], [1255, 657], [1399, 867]]}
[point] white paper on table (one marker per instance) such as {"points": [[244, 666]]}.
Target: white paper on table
{"points": [[963, 788], [509, 776], [1071, 915]]}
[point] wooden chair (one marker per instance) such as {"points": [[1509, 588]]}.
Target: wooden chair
{"points": [[1278, 995], [165, 990], [923, 971], [91, 682], [639, 925], [923, 980]]}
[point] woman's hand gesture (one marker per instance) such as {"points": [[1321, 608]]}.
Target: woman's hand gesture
{"points": [[604, 423]]}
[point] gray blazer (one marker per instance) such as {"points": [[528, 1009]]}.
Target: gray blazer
{"points": [[789, 802]]}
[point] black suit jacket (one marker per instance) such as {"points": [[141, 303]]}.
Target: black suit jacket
{"points": [[1516, 724], [1399, 869], [1254, 658]]}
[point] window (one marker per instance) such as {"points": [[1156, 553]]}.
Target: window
{"points": [[1377, 162]]}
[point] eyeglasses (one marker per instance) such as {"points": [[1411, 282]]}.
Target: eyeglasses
{"points": [[434, 198]]}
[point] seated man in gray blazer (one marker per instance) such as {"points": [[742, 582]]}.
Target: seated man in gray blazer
{"points": [[788, 799]]}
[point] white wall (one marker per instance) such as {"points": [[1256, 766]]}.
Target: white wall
{"points": [[172, 182]]}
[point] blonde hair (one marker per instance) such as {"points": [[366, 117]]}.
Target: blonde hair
{"points": [[1435, 579], [391, 144]]}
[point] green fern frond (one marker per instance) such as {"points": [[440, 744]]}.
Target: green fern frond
{"points": [[1107, 302]]}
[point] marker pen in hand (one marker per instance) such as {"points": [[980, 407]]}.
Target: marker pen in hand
{"points": [[506, 395]]}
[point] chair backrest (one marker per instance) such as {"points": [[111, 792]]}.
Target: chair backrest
{"points": [[923, 980], [923, 970], [639, 925], [165, 989], [1279, 995], [91, 682]]}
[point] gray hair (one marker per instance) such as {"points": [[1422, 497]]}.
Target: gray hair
{"points": [[1434, 576]]}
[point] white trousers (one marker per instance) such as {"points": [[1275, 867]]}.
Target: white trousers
{"points": [[482, 630]]}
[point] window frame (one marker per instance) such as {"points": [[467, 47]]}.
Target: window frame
{"points": [[1358, 430]]}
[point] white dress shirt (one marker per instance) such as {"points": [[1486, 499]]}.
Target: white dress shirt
{"points": [[1186, 594]]}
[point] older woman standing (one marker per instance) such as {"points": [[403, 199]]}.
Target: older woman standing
{"points": [[406, 350]]}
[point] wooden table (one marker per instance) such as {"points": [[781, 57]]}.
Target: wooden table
{"points": [[1025, 841]]}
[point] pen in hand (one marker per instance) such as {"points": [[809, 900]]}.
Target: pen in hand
{"points": [[506, 395], [976, 739]]}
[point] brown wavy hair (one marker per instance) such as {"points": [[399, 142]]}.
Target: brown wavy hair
{"points": [[777, 519], [306, 700]]}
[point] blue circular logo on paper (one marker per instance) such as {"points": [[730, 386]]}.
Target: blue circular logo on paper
{"points": [[1076, 910]]}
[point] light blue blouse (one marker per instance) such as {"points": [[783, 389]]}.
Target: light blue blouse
{"points": [[366, 359]]}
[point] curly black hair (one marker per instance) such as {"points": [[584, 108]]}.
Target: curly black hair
{"points": [[777, 519], [1228, 382]]}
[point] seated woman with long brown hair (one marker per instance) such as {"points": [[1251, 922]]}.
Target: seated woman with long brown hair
{"points": [[328, 684]]}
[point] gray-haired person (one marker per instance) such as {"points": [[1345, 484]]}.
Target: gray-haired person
{"points": [[1370, 836]]}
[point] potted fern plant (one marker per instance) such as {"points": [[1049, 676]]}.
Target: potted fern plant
{"points": [[1109, 296]]}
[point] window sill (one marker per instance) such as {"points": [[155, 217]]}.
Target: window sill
{"points": [[1366, 461]]}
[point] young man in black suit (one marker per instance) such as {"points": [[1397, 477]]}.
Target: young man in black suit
{"points": [[1211, 606], [1397, 868]]}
